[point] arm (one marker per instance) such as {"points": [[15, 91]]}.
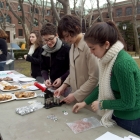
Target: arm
{"points": [[3, 50], [124, 72], [35, 59], [92, 81], [93, 96]]}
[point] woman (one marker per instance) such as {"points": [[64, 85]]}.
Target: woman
{"points": [[55, 57], [3, 49], [117, 98], [83, 75], [34, 55]]}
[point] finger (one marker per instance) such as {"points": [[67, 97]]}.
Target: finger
{"points": [[74, 108]]}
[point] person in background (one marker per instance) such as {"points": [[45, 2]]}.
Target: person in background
{"points": [[34, 55], [83, 77], [55, 57], [117, 98], [3, 49]]}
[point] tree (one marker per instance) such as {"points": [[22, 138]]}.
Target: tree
{"points": [[4, 14], [135, 26]]}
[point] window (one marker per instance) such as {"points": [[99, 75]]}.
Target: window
{"points": [[1, 4], [19, 22], [48, 12], [20, 32], [119, 12], [107, 15], [35, 22], [19, 8], [138, 9], [7, 5], [8, 19], [36, 10], [1, 19], [128, 11], [92, 17]]}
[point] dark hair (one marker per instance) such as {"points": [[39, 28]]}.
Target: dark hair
{"points": [[3, 34], [70, 24], [101, 32], [48, 29], [38, 42]]}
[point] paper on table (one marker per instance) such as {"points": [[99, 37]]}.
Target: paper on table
{"points": [[9, 61], [109, 136], [133, 138], [84, 124]]}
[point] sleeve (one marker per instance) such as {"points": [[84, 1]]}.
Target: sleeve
{"points": [[35, 60], [125, 74], [91, 83], [3, 49], [44, 69], [64, 76], [92, 96]]}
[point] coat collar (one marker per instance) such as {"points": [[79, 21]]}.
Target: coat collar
{"points": [[80, 47]]}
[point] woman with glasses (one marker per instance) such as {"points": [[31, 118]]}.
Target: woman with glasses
{"points": [[34, 55], [55, 57]]}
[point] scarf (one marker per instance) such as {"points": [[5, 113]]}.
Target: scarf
{"points": [[31, 51], [105, 92], [47, 50]]}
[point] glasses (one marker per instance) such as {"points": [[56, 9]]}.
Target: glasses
{"points": [[49, 39]]}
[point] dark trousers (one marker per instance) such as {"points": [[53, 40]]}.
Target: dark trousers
{"points": [[2, 66], [130, 125]]}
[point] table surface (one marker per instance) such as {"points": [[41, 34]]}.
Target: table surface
{"points": [[36, 126]]}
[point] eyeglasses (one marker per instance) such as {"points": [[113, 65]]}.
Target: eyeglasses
{"points": [[49, 39]]}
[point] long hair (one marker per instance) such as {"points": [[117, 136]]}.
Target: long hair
{"points": [[3, 34], [38, 42], [101, 32]]}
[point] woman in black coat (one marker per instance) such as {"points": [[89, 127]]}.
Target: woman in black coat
{"points": [[3, 49], [34, 55]]}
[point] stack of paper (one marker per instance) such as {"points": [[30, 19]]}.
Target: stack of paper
{"points": [[110, 136]]}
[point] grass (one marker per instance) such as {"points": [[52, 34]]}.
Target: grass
{"points": [[24, 67]]}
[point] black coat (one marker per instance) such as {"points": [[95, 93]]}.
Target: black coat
{"points": [[57, 65], [3, 50], [35, 60]]}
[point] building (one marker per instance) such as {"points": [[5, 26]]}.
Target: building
{"points": [[13, 26]]}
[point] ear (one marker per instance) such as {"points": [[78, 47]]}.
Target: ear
{"points": [[107, 45], [56, 34]]}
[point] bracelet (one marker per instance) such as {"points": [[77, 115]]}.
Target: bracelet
{"points": [[100, 105]]}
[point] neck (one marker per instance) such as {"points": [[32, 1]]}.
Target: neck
{"points": [[78, 38]]}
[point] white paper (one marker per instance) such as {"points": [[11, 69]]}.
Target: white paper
{"points": [[133, 138], [9, 61], [109, 136]]}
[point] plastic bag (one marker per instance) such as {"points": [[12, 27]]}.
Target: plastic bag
{"points": [[29, 109], [84, 124]]}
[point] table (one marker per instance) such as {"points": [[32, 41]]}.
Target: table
{"points": [[36, 126]]}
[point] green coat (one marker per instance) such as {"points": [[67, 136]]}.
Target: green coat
{"points": [[125, 84]]}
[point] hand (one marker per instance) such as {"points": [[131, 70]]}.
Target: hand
{"points": [[59, 91], [69, 99], [78, 106], [25, 56], [57, 83], [95, 105], [48, 83]]}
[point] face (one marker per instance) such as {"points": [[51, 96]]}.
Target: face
{"points": [[97, 50], [32, 38], [68, 38], [50, 40]]}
